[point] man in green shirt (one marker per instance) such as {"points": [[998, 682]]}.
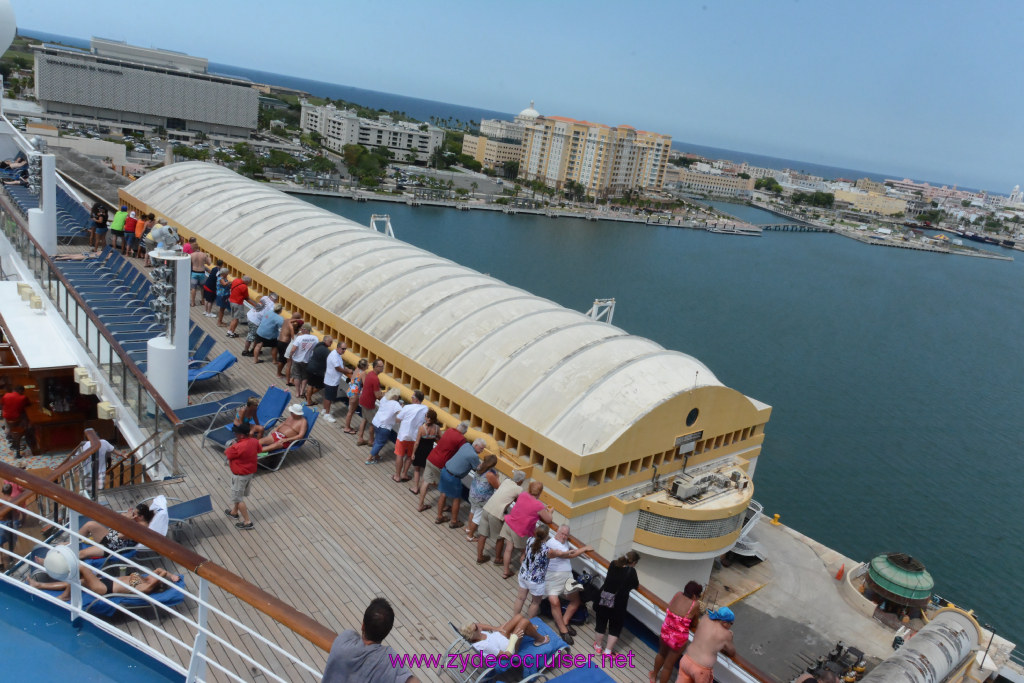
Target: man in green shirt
{"points": [[117, 226]]}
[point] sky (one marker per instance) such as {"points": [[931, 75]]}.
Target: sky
{"points": [[922, 89]]}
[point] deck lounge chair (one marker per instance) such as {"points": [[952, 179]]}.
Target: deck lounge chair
{"points": [[213, 369], [271, 406], [104, 606], [198, 411], [272, 460], [189, 511], [199, 356], [160, 523], [539, 656]]}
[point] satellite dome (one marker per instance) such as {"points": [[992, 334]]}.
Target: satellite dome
{"points": [[7, 25], [529, 112]]}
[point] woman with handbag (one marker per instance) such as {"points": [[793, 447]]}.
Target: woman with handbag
{"points": [[620, 581]]}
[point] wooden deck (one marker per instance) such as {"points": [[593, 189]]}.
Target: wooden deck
{"points": [[331, 534]]}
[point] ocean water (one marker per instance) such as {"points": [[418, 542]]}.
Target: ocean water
{"points": [[895, 377]]}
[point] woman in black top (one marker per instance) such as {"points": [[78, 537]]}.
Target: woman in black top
{"points": [[611, 605], [98, 234]]}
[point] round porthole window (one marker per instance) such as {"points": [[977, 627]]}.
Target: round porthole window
{"points": [[691, 417]]}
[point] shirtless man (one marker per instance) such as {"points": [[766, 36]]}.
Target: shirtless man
{"points": [[293, 428], [284, 338], [101, 585], [713, 636]]}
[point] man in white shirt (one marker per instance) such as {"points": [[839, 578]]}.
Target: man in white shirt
{"points": [[106, 450], [302, 349], [332, 378], [560, 571], [254, 317], [411, 418]]}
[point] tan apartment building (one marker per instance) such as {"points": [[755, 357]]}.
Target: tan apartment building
{"points": [[606, 160], [872, 203], [678, 178], [490, 152]]}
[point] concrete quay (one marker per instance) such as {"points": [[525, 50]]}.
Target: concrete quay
{"points": [[358, 195]]}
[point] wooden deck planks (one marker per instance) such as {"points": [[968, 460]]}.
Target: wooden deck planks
{"points": [[331, 534]]}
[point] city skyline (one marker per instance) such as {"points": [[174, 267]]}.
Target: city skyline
{"points": [[918, 89]]}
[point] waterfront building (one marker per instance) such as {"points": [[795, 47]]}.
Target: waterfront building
{"points": [[135, 88], [869, 185], [499, 142], [536, 381], [871, 202], [758, 172], [678, 178], [1016, 197], [801, 182], [490, 152], [930, 192], [606, 160], [340, 127]]}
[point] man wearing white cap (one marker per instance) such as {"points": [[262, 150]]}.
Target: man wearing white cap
{"points": [[291, 429]]}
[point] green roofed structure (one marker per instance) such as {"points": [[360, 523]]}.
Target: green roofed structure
{"points": [[900, 578]]}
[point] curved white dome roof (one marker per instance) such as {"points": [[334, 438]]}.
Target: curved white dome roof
{"points": [[8, 28], [529, 112], [554, 370]]}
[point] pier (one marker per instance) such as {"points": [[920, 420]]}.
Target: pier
{"points": [[796, 227]]}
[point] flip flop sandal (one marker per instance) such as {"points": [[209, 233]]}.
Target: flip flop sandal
{"points": [[483, 560], [440, 520], [456, 525]]}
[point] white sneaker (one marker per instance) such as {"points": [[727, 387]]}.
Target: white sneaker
{"points": [[330, 418]]}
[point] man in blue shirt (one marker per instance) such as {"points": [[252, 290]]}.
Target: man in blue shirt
{"points": [[465, 460], [267, 331]]}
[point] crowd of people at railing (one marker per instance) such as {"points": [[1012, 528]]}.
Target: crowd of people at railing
{"points": [[506, 511]]}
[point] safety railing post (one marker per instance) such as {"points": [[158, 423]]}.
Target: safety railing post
{"points": [[73, 578], [197, 664]]}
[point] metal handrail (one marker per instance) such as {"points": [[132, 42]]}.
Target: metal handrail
{"points": [[107, 334], [72, 306], [741, 662], [197, 651], [27, 496], [281, 612], [132, 456]]}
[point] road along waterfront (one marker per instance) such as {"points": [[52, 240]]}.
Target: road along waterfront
{"points": [[895, 377]]}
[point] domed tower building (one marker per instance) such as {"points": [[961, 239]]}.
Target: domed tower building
{"points": [[499, 141]]}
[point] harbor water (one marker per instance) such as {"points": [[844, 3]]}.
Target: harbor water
{"points": [[896, 377]]}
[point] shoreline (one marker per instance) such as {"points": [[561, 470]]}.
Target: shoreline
{"points": [[358, 195]]}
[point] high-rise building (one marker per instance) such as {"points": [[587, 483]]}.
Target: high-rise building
{"points": [[606, 160], [499, 142], [340, 127], [134, 86]]}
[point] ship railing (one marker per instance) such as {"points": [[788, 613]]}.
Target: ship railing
{"points": [[150, 410], [70, 474], [737, 667], [81, 472], [202, 637]]}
